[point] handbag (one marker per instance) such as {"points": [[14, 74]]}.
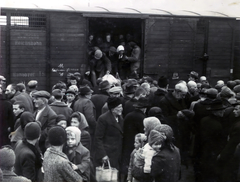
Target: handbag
{"points": [[106, 175]]}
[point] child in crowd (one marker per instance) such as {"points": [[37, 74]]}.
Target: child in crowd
{"points": [[78, 120], [77, 153], [61, 120], [138, 144], [143, 156]]}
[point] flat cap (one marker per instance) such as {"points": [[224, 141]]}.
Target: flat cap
{"points": [[42, 93], [57, 93], [32, 83]]}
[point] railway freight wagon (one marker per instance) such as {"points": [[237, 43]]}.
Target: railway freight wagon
{"points": [[47, 44]]}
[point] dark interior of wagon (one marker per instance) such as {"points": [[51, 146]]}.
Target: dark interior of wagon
{"points": [[130, 28]]}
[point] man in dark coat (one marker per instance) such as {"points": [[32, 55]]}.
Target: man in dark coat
{"points": [[109, 134], [23, 97], [60, 107], [162, 90], [28, 157], [100, 99], [213, 139], [226, 160], [133, 124], [173, 102], [6, 119], [45, 115]]}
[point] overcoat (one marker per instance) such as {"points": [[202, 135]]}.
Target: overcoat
{"points": [[166, 165], [99, 100], [133, 124], [61, 108], [108, 139]]}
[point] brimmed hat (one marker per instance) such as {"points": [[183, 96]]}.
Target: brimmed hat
{"points": [[233, 101], [113, 102], [42, 93], [193, 74], [116, 89], [226, 92], [84, 90], [236, 89], [215, 105], [32, 130], [142, 103], [57, 136], [104, 85], [231, 84]]}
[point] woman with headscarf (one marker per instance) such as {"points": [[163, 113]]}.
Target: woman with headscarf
{"points": [[149, 124], [167, 163]]}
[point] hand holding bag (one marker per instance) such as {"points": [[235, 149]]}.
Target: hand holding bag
{"points": [[106, 175]]}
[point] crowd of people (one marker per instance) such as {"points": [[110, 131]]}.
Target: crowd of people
{"points": [[141, 127], [120, 57]]}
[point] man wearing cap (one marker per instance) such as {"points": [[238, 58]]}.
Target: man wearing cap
{"points": [[99, 66], [133, 124], [109, 133], [86, 107], [32, 87], [100, 99], [162, 90], [71, 97], [45, 115], [14, 95], [56, 165], [112, 56], [28, 156], [60, 107], [7, 162]]}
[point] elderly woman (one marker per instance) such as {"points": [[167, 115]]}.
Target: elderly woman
{"points": [[166, 164], [109, 133]]}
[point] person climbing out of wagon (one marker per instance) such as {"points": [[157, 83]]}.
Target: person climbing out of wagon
{"points": [[123, 64], [99, 66]]}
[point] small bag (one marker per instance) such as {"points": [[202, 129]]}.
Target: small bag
{"points": [[106, 175]]}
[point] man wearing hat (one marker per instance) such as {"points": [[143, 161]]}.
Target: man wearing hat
{"points": [[32, 87], [14, 95], [7, 162], [100, 98], [60, 107], [113, 92], [28, 157], [56, 164], [45, 115], [214, 135], [71, 97], [193, 76], [99, 66], [109, 133], [85, 106], [133, 124], [227, 163]]}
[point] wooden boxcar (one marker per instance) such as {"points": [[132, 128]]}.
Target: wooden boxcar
{"points": [[47, 44]]}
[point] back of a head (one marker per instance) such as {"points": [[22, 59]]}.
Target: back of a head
{"points": [[57, 136], [7, 158], [26, 118], [181, 87], [140, 91], [167, 130], [163, 82], [32, 131]]}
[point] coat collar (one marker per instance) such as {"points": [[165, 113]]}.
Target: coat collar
{"points": [[174, 102], [119, 124], [54, 151]]}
